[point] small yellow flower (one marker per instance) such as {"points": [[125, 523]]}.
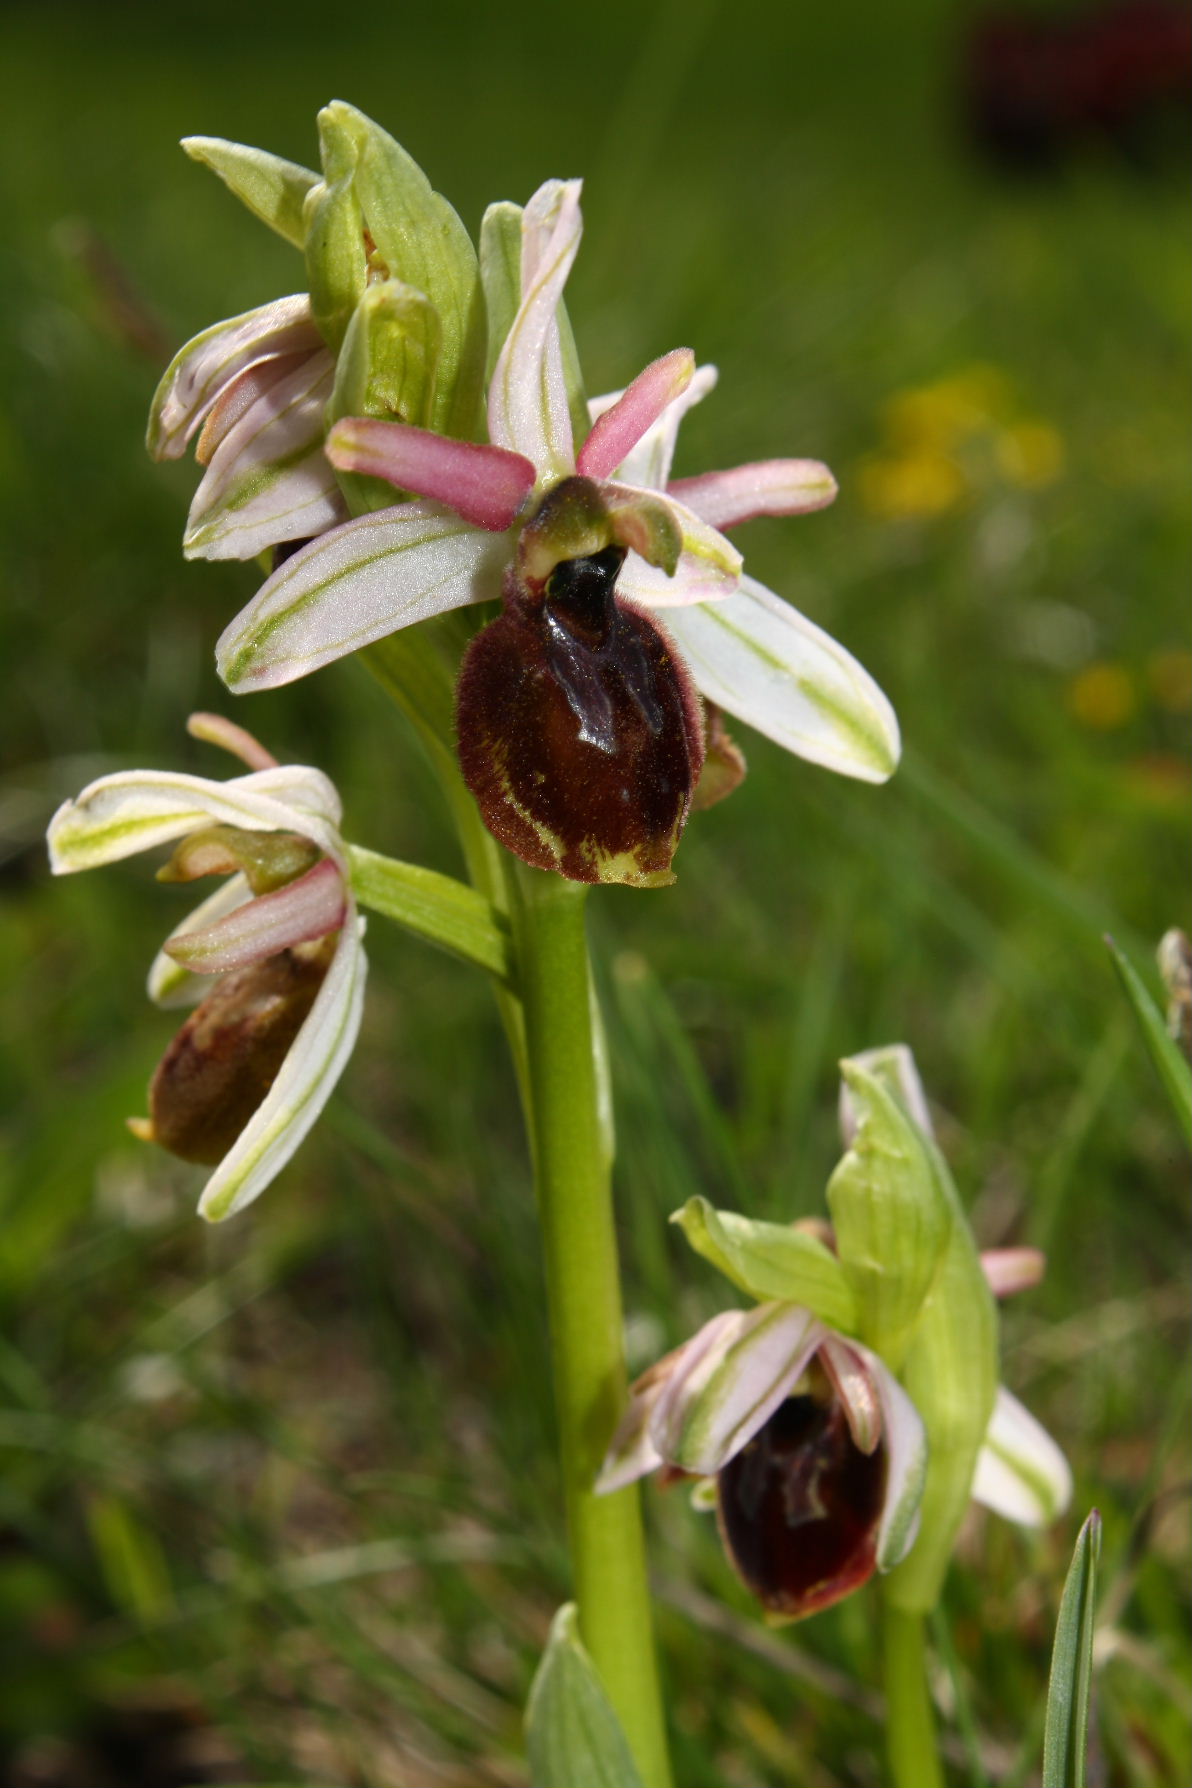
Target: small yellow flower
{"points": [[925, 483], [1102, 696], [1170, 676], [1030, 453]]}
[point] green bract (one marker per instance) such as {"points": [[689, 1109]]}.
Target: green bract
{"points": [[273, 189], [771, 1260], [418, 238], [388, 367], [336, 268], [890, 1214], [950, 1370]]}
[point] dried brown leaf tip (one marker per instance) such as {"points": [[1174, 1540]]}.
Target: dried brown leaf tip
{"points": [[579, 732]]}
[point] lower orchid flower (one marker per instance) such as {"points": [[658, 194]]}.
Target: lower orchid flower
{"points": [[814, 1453], [273, 957], [822, 1467]]}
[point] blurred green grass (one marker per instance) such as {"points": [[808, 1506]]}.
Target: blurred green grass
{"points": [[278, 1500]]}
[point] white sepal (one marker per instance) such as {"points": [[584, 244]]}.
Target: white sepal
{"points": [[761, 660], [1021, 1473], [356, 584], [317, 1058], [136, 810]]}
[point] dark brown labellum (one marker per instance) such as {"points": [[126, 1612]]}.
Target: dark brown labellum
{"points": [[799, 1508], [579, 731], [220, 1065]]}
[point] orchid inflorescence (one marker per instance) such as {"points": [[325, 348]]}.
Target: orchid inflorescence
{"points": [[408, 439]]}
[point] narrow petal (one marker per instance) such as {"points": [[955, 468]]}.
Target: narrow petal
{"points": [[486, 485], [207, 365], [631, 1452], [619, 429], [1021, 1473], [719, 1399], [527, 400], [769, 487], [906, 1463], [216, 729], [769, 665], [169, 985], [308, 1075], [895, 1066], [269, 479], [854, 1385], [356, 584], [307, 908], [649, 463], [236, 399], [1008, 1270], [708, 568], [136, 810]]}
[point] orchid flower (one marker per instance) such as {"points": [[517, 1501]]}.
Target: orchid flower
{"points": [[273, 957], [814, 1453], [762, 661], [821, 1466], [257, 385], [386, 570]]}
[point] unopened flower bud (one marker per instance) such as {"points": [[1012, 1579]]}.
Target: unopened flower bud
{"points": [[268, 860], [223, 1061]]}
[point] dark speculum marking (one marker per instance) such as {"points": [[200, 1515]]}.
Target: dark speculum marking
{"points": [[579, 731], [223, 1061], [799, 1508]]}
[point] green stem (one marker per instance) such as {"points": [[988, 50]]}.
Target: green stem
{"points": [[584, 1296], [910, 1720]]}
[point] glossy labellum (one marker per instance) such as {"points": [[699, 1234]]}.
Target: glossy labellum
{"points": [[799, 1508], [579, 732], [222, 1063]]}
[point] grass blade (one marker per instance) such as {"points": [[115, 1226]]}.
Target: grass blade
{"points": [[1065, 1734], [1172, 1068]]}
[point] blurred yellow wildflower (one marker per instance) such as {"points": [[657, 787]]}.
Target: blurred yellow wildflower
{"points": [[1030, 453], [945, 440], [1170, 676], [1102, 696]]}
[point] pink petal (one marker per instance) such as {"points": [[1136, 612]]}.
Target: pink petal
{"points": [[206, 366], [308, 908], [237, 398], [617, 432], [214, 729], [846, 1367], [769, 487], [268, 479], [1008, 1270], [486, 485]]}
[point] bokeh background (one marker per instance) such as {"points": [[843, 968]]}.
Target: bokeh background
{"points": [[278, 1501]]}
